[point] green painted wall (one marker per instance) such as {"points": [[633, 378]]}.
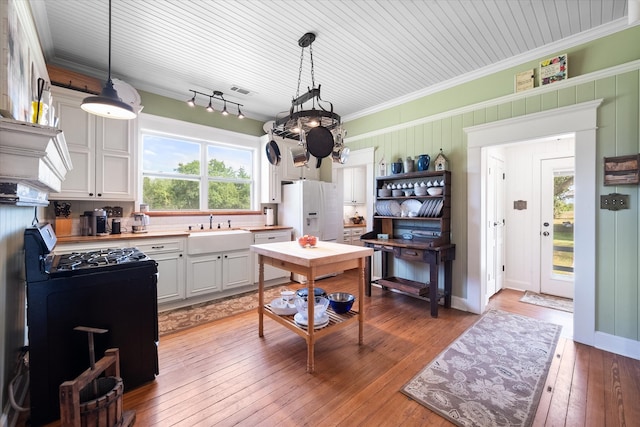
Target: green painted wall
{"points": [[617, 233], [167, 107]]}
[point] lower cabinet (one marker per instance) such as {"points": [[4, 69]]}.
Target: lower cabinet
{"points": [[169, 254], [270, 273], [218, 271], [351, 236]]}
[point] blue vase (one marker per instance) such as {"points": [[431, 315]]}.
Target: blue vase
{"points": [[423, 162]]}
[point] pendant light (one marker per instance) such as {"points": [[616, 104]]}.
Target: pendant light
{"points": [[108, 103]]}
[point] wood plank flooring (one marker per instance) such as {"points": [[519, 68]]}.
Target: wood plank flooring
{"points": [[223, 374]]}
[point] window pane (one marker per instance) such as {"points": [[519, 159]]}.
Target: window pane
{"points": [[563, 222], [229, 195], [167, 155], [171, 194], [226, 162]]}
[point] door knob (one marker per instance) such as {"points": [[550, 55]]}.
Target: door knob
{"points": [[546, 224], [546, 233]]}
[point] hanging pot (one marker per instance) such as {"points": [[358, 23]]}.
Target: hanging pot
{"points": [[273, 151], [300, 156], [320, 142], [340, 154]]}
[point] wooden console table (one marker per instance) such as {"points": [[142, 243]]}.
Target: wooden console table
{"points": [[421, 251], [325, 258]]}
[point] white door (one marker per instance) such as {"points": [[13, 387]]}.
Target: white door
{"points": [[557, 225], [495, 226]]}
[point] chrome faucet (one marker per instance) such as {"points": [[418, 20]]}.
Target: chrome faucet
{"points": [[210, 221]]}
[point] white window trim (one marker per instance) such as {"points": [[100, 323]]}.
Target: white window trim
{"points": [[179, 129]]}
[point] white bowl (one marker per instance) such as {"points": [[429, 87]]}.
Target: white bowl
{"points": [[420, 191], [282, 307], [319, 309], [434, 191]]}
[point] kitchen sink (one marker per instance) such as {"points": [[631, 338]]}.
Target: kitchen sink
{"points": [[223, 240]]}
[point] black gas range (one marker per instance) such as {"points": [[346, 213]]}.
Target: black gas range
{"points": [[112, 289]]}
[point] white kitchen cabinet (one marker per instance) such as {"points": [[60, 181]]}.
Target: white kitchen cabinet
{"points": [[271, 182], [288, 171], [101, 150], [351, 236], [270, 273], [169, 254], [219, 271], [354, 180]]}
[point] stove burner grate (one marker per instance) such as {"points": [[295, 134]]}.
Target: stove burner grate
{"points": [[97, 258]]}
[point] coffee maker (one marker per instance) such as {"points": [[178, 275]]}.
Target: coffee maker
{"points": [[94, 222]]}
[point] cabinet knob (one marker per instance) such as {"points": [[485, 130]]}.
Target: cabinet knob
{"points": [[99, 194], [91, 194]]}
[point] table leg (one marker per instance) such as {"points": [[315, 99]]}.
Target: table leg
{"points": [[448, 280], [361, 288], [260, 295], [433, 288], [310, 320]]}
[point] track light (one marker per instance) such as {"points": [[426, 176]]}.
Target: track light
{"points": [[217, 95], [192, 102]]}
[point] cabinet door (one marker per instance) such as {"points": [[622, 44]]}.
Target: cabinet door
{"points": [[271, 187], [115, 175], [170, 277], [354, 185], [288, 170], [236, 269], [346, 236], [79, 132], [355, 236], [204, 274], [270, 272]]}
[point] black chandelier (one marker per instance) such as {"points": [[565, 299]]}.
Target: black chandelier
{"points": [[216, 94], [297, 119]]}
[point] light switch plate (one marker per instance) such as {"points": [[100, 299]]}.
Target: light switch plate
{"points": [[614, 201]]}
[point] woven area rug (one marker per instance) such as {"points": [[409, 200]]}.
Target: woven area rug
{"points": [[188, 317], [550, 301], [492, 375]]}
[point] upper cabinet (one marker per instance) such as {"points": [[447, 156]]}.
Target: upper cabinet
{"points": [[102, 152], [271, 182], [354, 185]]}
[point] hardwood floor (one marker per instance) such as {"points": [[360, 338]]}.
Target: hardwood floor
{"points": [[222, 373]]}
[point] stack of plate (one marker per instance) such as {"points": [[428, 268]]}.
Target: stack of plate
{"points": [[431, 208], [388, 208], [410, 207], [303, 322]]}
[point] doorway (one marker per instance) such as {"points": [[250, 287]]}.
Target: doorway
{"points": [[495, 225], [579, 120]]}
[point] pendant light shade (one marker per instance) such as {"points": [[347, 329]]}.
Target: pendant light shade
{"points": [[108, 103]]}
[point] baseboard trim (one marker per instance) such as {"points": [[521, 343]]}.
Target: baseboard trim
{"points": [[618, 345]]}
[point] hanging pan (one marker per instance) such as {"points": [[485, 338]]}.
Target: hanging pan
{"points": [[273, 152], [320, 142]]}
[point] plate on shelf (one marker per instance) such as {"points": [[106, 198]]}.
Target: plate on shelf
{"points": [[320, 323], [432, 208], [394, 208], [411, 205], [438, 209]]}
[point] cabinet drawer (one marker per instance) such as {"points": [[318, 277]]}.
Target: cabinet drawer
{"points": [[161, 246], [357, 232], [409, 254]]}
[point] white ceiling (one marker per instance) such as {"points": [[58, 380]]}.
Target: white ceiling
{"points": [[367, 54]]}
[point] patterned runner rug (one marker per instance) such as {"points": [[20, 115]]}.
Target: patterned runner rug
{"points": [[492, 375], [187, 317], [550, 301]]}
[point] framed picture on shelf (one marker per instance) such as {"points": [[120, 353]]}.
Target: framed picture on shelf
{"points": [[525, 80], [553, 69]]}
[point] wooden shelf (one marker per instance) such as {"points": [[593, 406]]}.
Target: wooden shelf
{"points": [[409, 286], [335, 321]]}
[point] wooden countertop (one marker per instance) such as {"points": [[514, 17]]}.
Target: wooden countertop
{"points": [[323, 253], [351, 225], [158, 234]]}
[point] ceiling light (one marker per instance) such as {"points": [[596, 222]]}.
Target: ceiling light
{"points": [[108, 103], [287, 126], [192, 102], [217, 95]]}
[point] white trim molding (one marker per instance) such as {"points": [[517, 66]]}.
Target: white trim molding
{"points": [[579, 120]]}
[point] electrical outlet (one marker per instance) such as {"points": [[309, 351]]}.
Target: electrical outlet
{"points": [[614, 201]]}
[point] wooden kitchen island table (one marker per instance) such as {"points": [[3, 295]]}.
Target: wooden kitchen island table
{"points": [[325, 258]]}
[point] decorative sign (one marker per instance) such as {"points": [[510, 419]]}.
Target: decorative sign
{"points": [[553, 69], [520, 205], [622, 170], [525, 80]]}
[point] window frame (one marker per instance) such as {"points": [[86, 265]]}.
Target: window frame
{"points": [[171, 128]]}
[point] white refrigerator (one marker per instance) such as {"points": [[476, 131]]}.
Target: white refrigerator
{"points": [[313, 208]]}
